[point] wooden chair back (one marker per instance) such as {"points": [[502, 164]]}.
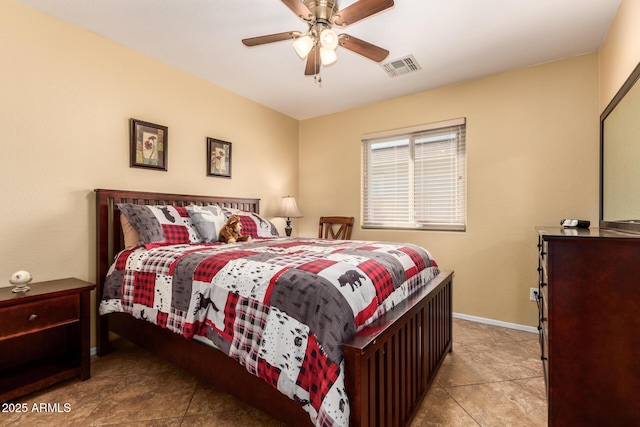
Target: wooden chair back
{"points": [[335, 227]]}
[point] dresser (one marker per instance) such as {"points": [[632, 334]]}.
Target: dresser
{"points": [[589, 323], [44, 335]]}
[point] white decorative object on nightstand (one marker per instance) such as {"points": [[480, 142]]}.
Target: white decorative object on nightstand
{"points": [[21, 279]]}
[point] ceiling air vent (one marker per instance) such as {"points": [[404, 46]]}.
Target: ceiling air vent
{"points": [[397, 67]]}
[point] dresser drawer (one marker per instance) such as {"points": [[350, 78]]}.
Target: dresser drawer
{"points": [[30, 317]]}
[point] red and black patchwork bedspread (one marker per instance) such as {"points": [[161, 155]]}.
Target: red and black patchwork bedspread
{"points": [[281, 307]]}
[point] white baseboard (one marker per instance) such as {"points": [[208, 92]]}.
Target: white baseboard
{"points": [[496, 322]]}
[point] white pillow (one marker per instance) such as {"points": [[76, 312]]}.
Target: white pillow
{"points": [[208, 220]]}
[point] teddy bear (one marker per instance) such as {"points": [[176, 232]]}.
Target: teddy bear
{"points": [[231, 232]]}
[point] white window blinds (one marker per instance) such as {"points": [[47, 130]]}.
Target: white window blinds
{"points": [[415, 177]]}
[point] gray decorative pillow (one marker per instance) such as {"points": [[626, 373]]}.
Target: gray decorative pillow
{"points": [[160, 225], [208, 220]]}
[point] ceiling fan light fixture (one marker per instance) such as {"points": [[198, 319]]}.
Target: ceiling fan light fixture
{"points": [[317, 46], [328, 39], [327, 56], [303, 46]]}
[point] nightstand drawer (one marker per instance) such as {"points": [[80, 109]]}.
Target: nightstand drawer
{"points": [[30, 317]]}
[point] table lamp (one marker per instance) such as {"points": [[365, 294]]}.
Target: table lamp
{"points": [[289, 210]]}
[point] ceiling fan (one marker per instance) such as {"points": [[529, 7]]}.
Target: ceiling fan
{"points": [[318, 44]]}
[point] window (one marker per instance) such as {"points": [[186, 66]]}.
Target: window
{"points": [[415, 177]]}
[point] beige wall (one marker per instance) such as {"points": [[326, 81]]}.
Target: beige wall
{"points": [[532, 154], [65, 100], [620, 52]]}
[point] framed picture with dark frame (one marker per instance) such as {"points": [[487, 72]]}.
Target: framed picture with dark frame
{"points": [[149, 144], [218, 158]]}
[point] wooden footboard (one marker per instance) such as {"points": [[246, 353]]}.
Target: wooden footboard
{"points": [[389, 365], [392, 363]]}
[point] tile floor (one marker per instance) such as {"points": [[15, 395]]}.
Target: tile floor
{"points": [[493, 377]]}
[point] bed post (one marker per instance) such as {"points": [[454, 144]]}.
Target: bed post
{"points": [[104, 254]]}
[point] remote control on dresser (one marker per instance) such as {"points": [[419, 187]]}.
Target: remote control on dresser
{"points": [[579, 223]]}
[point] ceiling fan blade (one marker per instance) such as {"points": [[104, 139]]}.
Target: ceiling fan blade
{"points": [[313, 62], [360, 10], [363, 48], [299, 9], [255, 41]]}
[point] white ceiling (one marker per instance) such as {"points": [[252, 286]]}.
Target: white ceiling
{"points": [[452, 40]]}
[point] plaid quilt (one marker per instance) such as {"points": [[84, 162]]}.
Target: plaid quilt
{"points": [[281, 307]]}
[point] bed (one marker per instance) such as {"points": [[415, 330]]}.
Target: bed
{"points": [[388, 363]]}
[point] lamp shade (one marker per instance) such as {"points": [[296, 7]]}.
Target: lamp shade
{"points": [[289, 208], [327, 56], [303, 46], [329, 39]]}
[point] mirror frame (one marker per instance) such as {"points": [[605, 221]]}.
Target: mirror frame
{"points": [[626, 87]]}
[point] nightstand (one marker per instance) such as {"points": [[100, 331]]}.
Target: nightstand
{"points": [[44, 336]]}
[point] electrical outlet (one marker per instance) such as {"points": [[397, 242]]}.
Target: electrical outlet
{"points": [[533, 294]]}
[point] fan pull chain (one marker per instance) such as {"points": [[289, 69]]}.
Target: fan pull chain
{"points": [[317, 77]]}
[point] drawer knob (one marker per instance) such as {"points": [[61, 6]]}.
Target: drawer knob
{"points": [[33, 317]]}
